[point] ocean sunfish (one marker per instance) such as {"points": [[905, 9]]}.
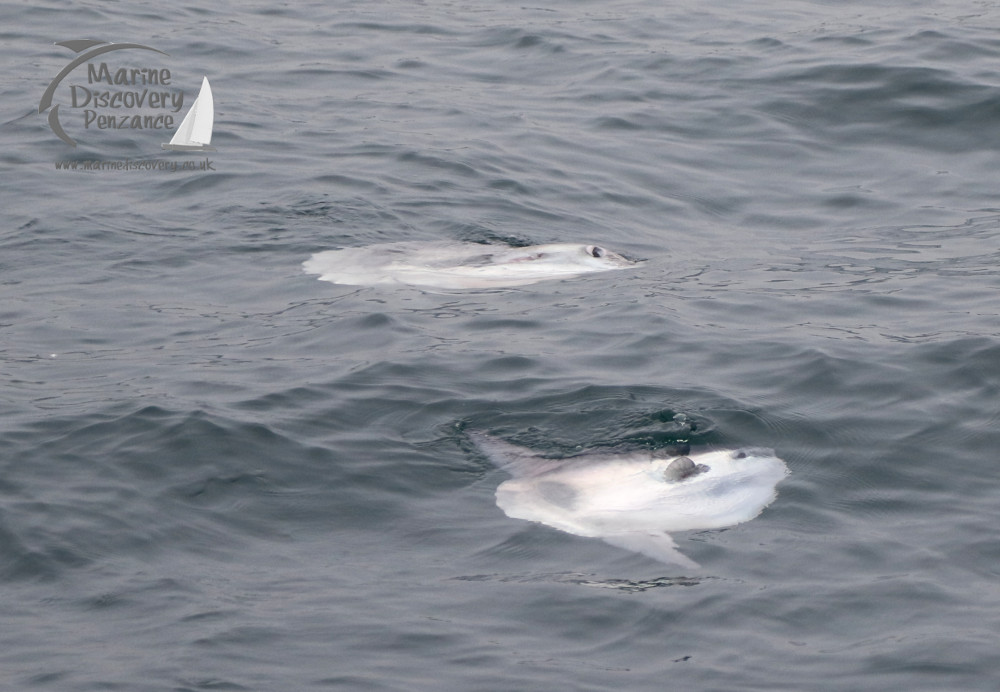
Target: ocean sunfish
{"points": [[635, 500], [455, 265]]}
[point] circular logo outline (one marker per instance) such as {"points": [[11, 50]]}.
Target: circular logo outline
{"points": [[78, 46]]}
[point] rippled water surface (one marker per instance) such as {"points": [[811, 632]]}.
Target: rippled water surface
{"points": [[217, 472]]}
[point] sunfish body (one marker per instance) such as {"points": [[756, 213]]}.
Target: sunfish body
{"points": [[460, 265], [635, 500]]}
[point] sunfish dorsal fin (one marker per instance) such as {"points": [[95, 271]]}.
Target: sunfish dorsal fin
{"points": [[519, 462]]}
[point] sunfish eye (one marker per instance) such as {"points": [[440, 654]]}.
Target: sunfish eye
{"points": [[595, 251]]}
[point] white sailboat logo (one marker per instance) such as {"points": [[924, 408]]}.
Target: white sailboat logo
{"points": [[195, 131]]}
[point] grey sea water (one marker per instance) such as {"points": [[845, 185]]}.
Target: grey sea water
{"points": [[218, 473]]}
